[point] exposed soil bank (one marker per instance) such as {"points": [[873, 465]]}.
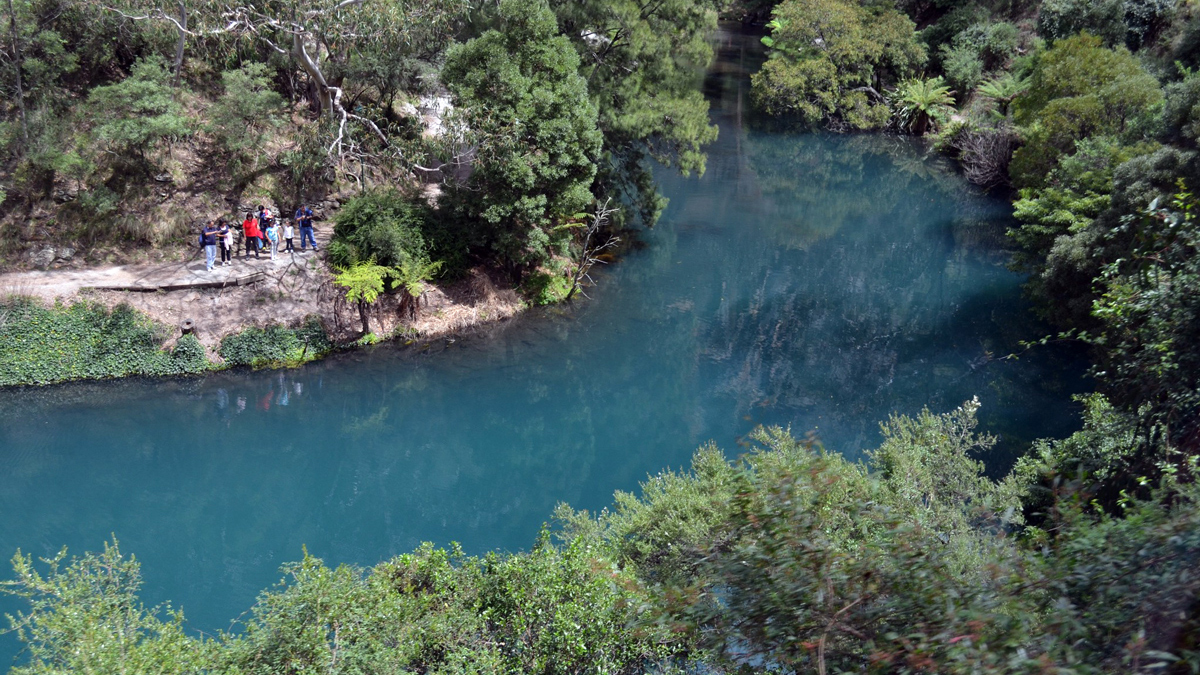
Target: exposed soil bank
{"points": [[283, 291]]}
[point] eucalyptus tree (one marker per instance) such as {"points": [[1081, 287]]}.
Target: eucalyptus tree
{"points": [[342, 52]]}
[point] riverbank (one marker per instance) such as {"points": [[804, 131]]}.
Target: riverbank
{"points": [[70, 314]]}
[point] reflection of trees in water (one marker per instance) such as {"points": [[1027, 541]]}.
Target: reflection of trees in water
{"points": [[851, 265]]}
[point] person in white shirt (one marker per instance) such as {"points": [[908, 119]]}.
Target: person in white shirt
{"points": [[288, 231]]}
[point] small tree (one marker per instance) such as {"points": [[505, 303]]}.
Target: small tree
{"points": [[411, 278], [246, 112], [920, 102], [138, 112], [364, 282], [1003, 90]]}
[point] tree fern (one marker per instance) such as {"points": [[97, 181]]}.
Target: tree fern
{"points": [[919, 102]]}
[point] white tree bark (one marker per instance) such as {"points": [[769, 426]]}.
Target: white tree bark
{"points": [[183, 31]]}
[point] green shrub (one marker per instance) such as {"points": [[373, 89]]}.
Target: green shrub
{"points": [[1181, 110], [1105, 19], [276, 345], [789, 556], [963, 67], [1145, 18], [137, 113], [829, 85], [384, 225], [543, 288], [244, 114], [1080, 89], [87, 341]]}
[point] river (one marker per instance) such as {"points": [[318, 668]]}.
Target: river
{"points": [[811, 280]]}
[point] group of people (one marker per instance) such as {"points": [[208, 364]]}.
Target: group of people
{"points": [[260, 231]]}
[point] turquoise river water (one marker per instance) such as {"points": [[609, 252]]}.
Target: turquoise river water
{"points": [[817, 281]]}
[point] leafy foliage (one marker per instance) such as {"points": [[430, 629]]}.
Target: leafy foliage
{"points": [[529, 109], [1104, 19], [86, 617], [276, 345], [364, 282], [1150, 317], [1181, 110], [1077, 191], [1003, 90], [1079, 89], [921, 103], [826, 56], [384, 225], [139, 112], [87, 341], [245, 112], [641, 62], [790, 556]]}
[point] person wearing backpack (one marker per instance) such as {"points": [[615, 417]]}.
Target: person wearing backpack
{"points": [[208, 239], [250, 229]]}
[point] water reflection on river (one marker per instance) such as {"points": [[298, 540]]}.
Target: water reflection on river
{"points": [[816, 281]]}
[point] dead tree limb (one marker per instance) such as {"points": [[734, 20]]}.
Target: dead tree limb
{"points": [[590, 250]]}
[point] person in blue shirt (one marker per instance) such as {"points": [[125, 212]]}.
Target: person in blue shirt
{"points": [[304, 219]]}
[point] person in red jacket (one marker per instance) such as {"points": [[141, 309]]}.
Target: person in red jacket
{"points": [[250, 229]]}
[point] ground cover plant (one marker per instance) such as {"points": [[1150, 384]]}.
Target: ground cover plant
{"points": [[276, 345], [88, 341]]}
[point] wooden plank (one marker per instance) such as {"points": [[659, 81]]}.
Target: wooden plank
{"points": [[199, 285]]}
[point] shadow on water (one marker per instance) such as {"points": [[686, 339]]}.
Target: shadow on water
{"points": [[817, 281]]}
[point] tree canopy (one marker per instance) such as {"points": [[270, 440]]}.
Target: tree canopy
{"points": [[830, 60], [534, 131]]}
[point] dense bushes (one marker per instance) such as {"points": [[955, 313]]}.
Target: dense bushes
{"points": [[827, 57], [276, 345], [87, 341], [382, 225]]}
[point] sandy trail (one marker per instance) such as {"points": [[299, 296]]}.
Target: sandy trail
{"points": [[257, 292]]}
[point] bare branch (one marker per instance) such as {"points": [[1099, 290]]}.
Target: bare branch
{"points": [[590, 253]]}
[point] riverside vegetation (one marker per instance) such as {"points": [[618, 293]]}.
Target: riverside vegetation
{"points": [[1082, 559], [791, 559], [88, 341]]}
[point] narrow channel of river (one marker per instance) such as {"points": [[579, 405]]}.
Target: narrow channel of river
{"points": [[817, 281]]}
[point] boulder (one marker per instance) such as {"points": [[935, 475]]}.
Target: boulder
{"points": [[44, 257]]}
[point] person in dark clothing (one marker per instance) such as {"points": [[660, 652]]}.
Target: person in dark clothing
{"points": [[208, 239], [304, 218], [225, 241]]}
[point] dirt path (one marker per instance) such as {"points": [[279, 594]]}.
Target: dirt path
{"points": [[252, 292]]}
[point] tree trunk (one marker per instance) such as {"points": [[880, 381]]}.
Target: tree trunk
{"points": [[179, 45], [12, 32], [315, 76], [362, 314]]}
